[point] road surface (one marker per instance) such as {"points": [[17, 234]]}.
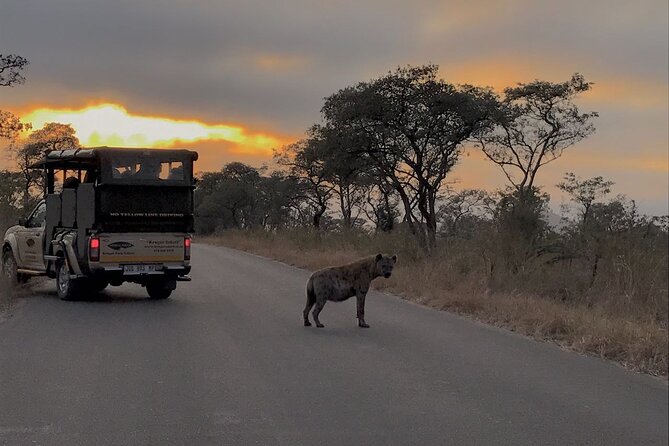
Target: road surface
{"points": [[226, 360]]}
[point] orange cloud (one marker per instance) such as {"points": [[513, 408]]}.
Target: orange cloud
{"points": [[456, 16], [112, 125], [279, 62], [642, 177], [508, 70]]}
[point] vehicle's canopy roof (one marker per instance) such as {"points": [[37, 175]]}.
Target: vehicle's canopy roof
{"points": [[90, 156]]}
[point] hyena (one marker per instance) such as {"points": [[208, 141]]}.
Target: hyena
{"points": [[342, 282]]}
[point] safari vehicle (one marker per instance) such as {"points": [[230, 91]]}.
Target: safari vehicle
{"points": [[118, 215]]}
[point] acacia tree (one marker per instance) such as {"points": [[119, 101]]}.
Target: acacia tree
{"points": [[457, 206], [411, 125], [10, 74], [11, 66], [305, 162], [589, 234], [585, 192], [11, 188], [241, 196], [349, 175], [11, 126], [53, 136], [242, 193], [537, 122], [382, 204], [231, 197], [282, 202]]}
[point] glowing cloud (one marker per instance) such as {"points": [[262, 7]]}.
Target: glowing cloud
{"points": [[280, 62], [112, 125]]}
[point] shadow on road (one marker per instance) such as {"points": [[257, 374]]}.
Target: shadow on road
{"points": [[40, 288]]}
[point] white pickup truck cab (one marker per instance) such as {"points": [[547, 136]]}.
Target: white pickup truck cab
{"points": [[119, 215]]}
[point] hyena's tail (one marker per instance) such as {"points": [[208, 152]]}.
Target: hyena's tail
{"points": [[311, 300], [311, 295]]}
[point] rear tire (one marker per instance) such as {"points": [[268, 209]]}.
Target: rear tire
{"points": [[10, 269], [160, 289], [68, 288]]}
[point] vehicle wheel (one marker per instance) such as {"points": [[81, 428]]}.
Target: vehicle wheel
{"points": [[160, 289], [9, 268], [68, 289]]}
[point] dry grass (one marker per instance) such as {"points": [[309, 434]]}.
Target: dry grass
{"points": [[636, 341]]}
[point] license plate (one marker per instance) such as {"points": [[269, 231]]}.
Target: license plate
{"points": [[138, 269]]}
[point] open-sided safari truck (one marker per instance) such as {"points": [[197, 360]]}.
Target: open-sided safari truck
{"points": [[110, 215]]}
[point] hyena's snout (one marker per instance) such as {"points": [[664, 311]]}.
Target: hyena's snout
{"points": [[386, 275]]}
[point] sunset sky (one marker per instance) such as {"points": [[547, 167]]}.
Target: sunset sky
{"points": [[235, 79]]}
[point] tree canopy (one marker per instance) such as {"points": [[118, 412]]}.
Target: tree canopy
{"points": [[411, 126], [535, 124]]}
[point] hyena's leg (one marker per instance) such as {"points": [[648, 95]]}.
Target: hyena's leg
{"points": [[361, 309], [320, 303], [311, 300]]}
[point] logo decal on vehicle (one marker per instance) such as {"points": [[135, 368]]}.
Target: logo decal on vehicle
{"points": [[120, 245]]}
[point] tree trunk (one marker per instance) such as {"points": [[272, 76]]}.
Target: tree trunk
{"points": [[344, 205], [317, 217], [594, 270]]}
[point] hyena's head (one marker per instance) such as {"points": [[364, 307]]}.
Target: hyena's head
{"points": [[384, 265]]}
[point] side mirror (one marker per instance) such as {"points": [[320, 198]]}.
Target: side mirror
{"points": [[22, 221]]}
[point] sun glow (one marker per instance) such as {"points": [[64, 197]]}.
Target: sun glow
{"points": [[112, 125]]}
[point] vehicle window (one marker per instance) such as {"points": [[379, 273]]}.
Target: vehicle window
{"points": [[172, 171], [125, 170], [38, 217], [148, 169]]}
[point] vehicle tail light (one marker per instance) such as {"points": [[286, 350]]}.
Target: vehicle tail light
{"points": [[187, 248], [94, 249]]}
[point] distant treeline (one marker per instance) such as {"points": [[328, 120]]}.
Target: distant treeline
{"points": [[384, 149]]}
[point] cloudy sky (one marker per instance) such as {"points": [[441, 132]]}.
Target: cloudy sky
{"points": [[234, 79]]}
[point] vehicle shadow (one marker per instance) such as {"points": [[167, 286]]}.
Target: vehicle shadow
{"points": [[111, 295]]}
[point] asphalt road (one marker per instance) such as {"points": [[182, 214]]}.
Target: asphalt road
{"points": [[226, 360]]}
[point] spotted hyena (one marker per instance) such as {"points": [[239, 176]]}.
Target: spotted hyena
{"points": [[342, 282]]}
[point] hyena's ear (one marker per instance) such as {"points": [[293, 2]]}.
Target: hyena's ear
{"points": [[394, 259], [379, 257]]}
